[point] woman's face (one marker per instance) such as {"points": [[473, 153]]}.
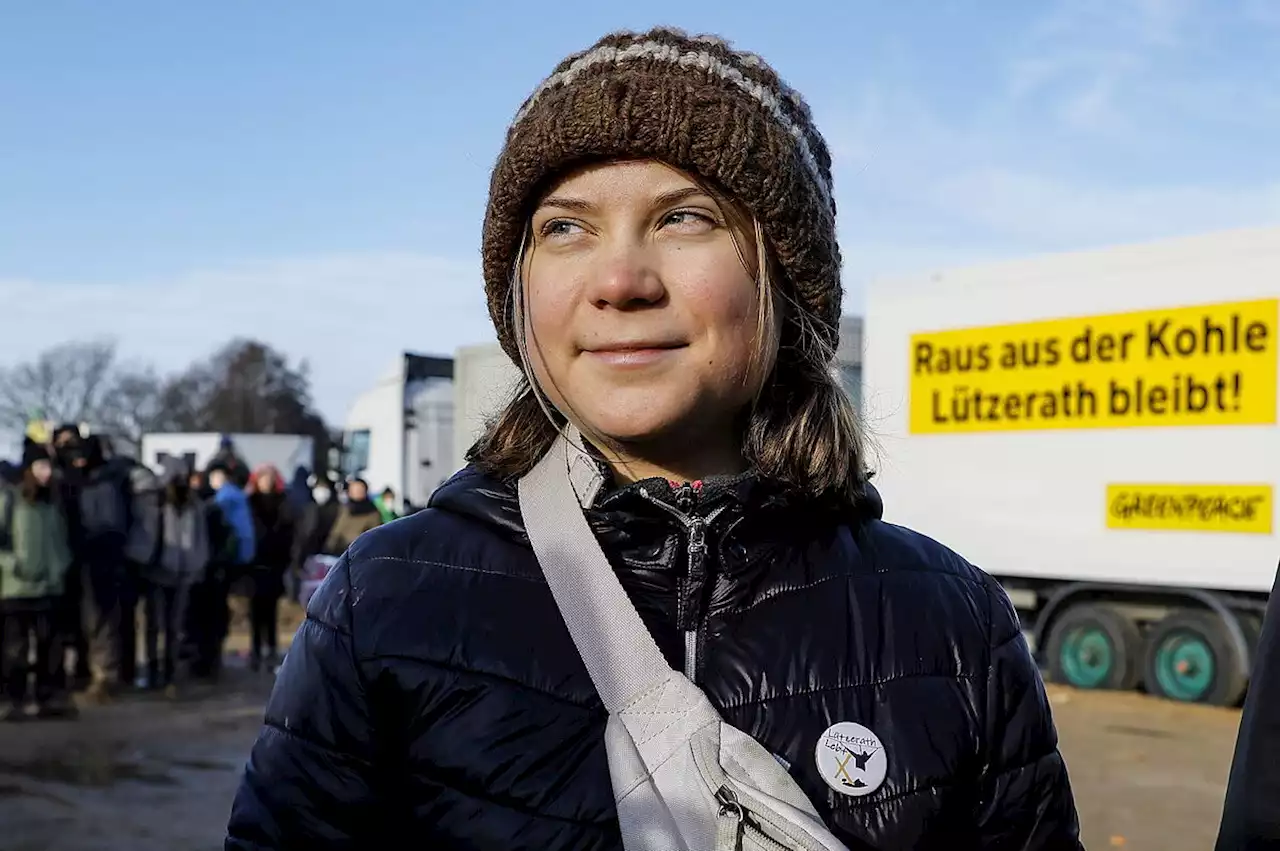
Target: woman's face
{"points": [[267, 481], [42, 472], [642, 320]]}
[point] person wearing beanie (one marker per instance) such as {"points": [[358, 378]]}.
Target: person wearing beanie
{"points": [[355, 516], [35, 556], [660, 261]]}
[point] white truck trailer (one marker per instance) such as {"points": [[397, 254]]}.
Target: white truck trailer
{"points": [[485, 379], [1098, 431], [286, 452]]}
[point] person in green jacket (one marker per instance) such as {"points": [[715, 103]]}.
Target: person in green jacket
{"points": [[387, 505], [35, 555]]}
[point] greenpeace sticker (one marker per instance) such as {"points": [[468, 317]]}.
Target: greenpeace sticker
{"points": [[1196, 508], [1186, 366]]}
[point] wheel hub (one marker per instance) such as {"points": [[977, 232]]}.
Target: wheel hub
{"points": [[1185, 666], [1087, 657]]}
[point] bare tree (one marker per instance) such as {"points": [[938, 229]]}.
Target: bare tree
{"points": [[133, 405], [83, 383], [66, 383], [246, 386]]}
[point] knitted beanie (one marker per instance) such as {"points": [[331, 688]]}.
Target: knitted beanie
{"points": [[33, 452], [691, 102]]}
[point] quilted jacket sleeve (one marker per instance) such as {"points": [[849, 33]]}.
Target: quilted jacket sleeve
{"points": [[1026, 802], [309, 782]]}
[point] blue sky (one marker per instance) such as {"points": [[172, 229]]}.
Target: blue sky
{"points": [[315, 173]]}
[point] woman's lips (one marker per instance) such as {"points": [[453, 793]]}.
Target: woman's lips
{"points": [[633, 356]]}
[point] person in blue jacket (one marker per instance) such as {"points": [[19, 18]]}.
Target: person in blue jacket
{"points": [[235, 507]]}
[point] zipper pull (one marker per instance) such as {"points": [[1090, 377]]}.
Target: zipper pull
{"points": [[697, 546], [728, 802], [729, 827]]}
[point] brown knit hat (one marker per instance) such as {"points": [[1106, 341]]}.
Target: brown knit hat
{"points": [[694, 103]]}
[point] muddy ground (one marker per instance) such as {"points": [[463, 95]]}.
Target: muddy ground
{"points": [[145, 773], [154, 775]]}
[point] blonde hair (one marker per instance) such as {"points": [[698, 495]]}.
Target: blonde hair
{"points": [[801, 428]]}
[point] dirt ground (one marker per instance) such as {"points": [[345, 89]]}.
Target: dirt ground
{"points": [[145, 773], [149, 774], [1147, 773]]}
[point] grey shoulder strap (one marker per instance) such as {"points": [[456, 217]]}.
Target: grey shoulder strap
{"points": [[620, 654]]}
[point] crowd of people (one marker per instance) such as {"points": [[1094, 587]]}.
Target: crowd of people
{"points": [[90, 539]]}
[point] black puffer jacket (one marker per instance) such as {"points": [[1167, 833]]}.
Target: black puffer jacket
{"points": [[434, 699], [1251, 811]]}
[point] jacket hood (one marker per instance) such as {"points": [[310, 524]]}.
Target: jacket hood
{"points": [[472, 494]]}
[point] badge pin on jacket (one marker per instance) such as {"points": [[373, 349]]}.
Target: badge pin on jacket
{"points": [[851, 759]]}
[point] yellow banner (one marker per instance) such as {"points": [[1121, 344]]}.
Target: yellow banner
{"points": [[1187, 366], [1192, 508]]}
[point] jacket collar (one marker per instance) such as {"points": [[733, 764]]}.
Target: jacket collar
{"points": [[472, 493]]}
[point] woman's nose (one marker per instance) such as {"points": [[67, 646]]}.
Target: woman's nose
{"points": [[625, 278]]}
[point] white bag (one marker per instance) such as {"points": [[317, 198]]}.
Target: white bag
{"points": [[683, 779]]}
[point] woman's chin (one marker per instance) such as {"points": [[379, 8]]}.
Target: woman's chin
{"points": [[632, 427]]}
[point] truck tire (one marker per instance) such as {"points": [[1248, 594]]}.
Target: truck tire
{"points": [[1095, 646], [1190, 658]]}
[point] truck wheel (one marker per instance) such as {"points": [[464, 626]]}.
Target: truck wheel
{"points": [[1190, 658], [1094, 646]]}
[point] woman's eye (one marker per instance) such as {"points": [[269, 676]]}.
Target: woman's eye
{"points": [[559, 227], [688, 219]]}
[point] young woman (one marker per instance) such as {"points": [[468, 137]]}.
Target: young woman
{"points": [[660, 254], [274, 526], [181, 563], [35, 555]]}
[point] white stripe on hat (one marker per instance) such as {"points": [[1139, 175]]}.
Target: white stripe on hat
{"points": [[705, 61]]}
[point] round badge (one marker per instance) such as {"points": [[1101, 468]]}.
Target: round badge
{"points": [[851, 759]]}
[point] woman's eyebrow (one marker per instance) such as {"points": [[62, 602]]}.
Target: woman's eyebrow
{"points": [[675, 196], [577, 205]]}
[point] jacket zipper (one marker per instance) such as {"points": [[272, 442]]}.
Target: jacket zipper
{"points": [[696, 551]]}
